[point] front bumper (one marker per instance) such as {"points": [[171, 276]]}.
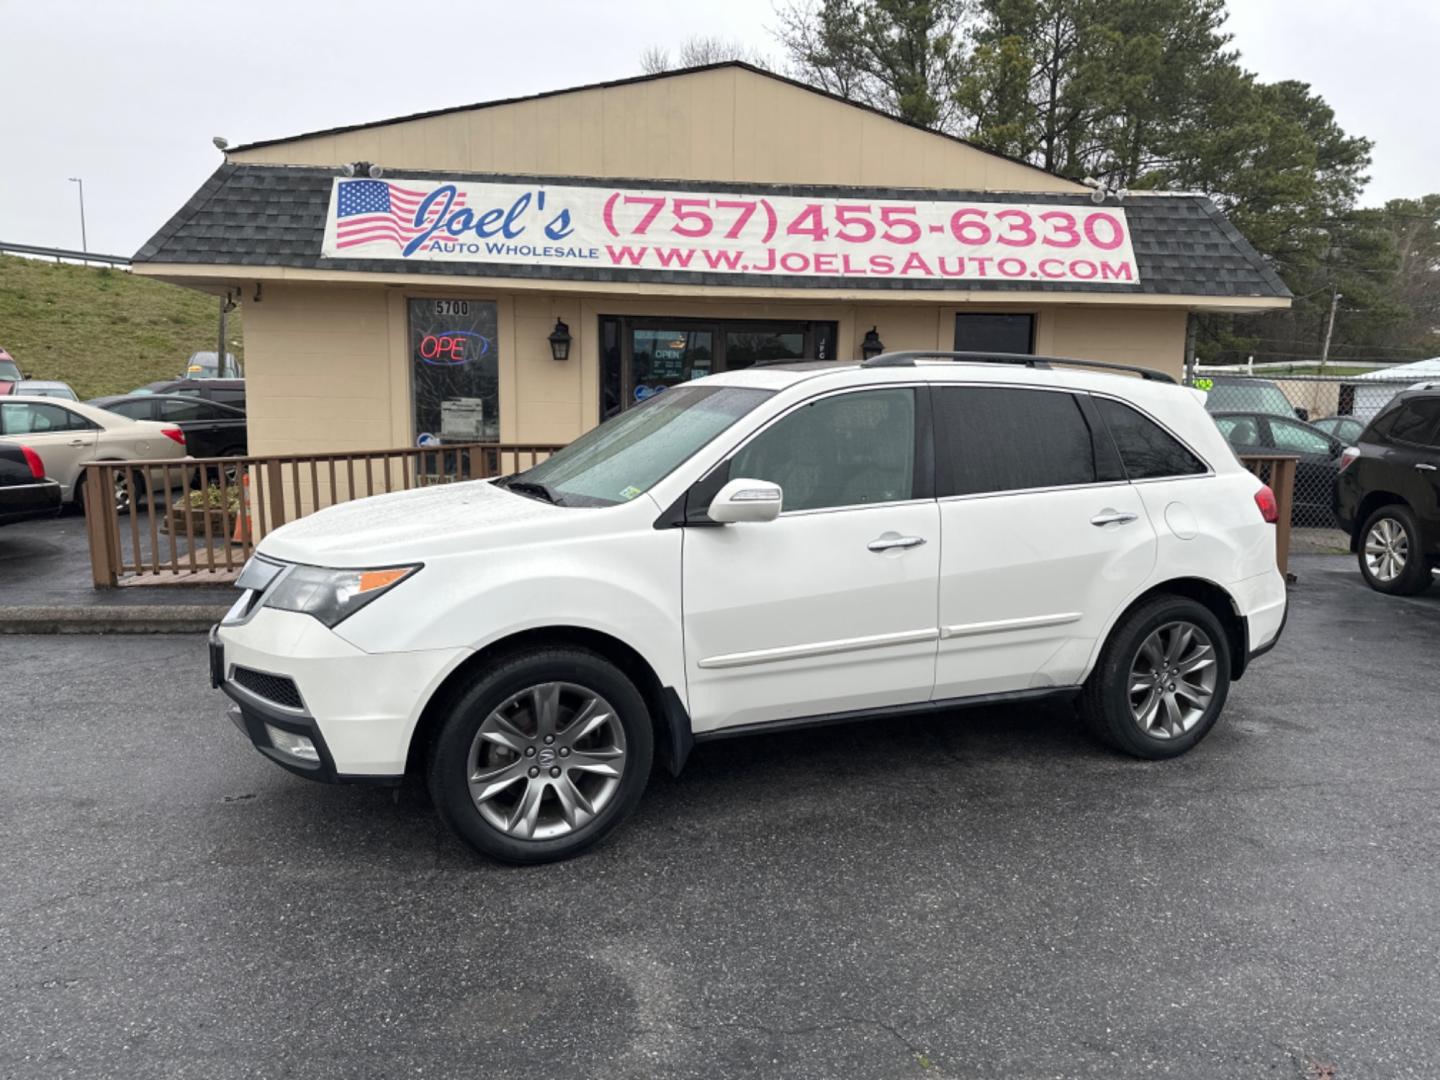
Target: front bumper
{"points": [[358, 709]]}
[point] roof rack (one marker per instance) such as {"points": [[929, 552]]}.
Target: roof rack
{"points": [[908, 358]]}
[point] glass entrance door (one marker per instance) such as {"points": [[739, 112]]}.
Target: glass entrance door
{"points": [[640, 357]]}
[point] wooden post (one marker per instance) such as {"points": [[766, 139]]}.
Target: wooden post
{"points": [[98, 512]]}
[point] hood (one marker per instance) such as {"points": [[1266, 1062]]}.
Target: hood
{"points": [[410, 526]]}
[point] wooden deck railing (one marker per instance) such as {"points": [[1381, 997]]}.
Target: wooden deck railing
{"points": [[1277, 470], [198, 519]]}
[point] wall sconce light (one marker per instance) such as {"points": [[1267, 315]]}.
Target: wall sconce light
{"points": [[560, 341], [872, 345]]}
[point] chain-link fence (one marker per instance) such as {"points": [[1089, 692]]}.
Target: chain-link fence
{"points": [[1312, 416]]}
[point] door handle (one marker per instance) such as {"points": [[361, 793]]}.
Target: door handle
{"points": [[1113, 517], [886, 543], [77, 442], [1424, 466]]}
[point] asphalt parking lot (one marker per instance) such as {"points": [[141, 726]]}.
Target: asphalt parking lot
{"points": [[985, 895]]}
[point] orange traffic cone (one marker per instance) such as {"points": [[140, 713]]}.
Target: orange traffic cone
{"points": [[242, 516]]}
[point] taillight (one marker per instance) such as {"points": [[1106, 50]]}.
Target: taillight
{"points": [[1350, 455], [174, 433], [37, 467], [1269, 508]]}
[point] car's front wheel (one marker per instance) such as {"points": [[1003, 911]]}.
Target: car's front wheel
{"points": [[541, 755], [1161, 681], [1391, 555]]}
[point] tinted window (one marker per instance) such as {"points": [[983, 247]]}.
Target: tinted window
{"points": [[846, 450], [233, 398], [31, 419], [998, 439], [1241, 432], [187, 410], [1298, 439], [1413, 422], [136, 410], [1148, 450]]}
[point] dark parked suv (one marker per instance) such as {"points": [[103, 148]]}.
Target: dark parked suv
{"points": [[1387, 495]]}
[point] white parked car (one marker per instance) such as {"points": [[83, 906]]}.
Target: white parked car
{"points": [[47, 388], [773, 547], [67, 434]]}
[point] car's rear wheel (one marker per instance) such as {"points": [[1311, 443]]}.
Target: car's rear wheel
{"points": [[1391, 553], [127, 486], [1161, 681], [541, 755]]}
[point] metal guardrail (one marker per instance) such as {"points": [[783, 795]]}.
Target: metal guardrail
{"points": [[144, 529], [59, 254]]}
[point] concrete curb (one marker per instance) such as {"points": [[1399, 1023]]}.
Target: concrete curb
{"points": [[111, 619]]}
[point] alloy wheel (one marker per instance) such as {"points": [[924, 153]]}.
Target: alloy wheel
{"points": [[1172, 679], [1387, 550], [547, 761]]}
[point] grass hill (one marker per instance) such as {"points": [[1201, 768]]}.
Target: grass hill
{"points": [[103, 331]]}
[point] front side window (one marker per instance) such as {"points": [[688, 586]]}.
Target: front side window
{"points": [[1241, 432], [992, 439], [625, 456], [1147, 450], [853, 449]]}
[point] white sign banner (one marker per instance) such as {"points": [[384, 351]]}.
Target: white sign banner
{"points": [[728, 233]]}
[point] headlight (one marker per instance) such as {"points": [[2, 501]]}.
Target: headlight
{"points": [[333, 595]]}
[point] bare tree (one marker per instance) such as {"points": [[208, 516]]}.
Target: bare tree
{"points": [[699, 50]]}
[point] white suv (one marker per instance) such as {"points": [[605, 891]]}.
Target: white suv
{"points": [[772, 547]]}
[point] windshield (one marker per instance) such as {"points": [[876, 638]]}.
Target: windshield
{"points": [[626, 455]]}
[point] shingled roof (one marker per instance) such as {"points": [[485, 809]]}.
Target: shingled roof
{"points": [[274, 215]]}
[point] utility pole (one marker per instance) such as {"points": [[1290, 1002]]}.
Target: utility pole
{"points": [[226, 306], [1329, 329], [84, 244]]}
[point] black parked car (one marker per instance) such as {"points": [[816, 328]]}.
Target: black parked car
{"points": [[25, 492], [225, 391], [1315, 472], [1387, 496], [211, 429]]}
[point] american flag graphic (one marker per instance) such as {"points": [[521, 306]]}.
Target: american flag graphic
{"points": [[376, 211]]}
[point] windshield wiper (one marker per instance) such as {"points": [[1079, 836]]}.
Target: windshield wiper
{"points": [[534, 489]]}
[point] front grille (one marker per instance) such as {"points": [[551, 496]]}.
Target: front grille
{"points": [[276, 688]]}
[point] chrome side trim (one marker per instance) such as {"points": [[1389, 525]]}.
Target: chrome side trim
{"points": [[999, 626], [818, 648]]}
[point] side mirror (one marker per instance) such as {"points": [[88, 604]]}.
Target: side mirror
{"points": [[1303, 414], [746, 500]]}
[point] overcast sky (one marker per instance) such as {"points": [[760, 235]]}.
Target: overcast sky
{"points": [[127, 95]]}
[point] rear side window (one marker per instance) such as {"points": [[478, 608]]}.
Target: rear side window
{"points": [[1148, 451], [1414, 421], [233, 398], [990, 439], [135, 410]]}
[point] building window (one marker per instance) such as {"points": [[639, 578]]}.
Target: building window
{"points": [[454, 370], [995, 333], [641, 357]]}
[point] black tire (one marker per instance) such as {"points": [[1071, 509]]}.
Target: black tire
{"points": [[1414, 576], [1105, 701], [449, 762], [136, 489]]}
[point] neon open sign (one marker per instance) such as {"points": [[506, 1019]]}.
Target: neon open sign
{"points": [[451, 348]]}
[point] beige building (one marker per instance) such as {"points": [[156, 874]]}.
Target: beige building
{"points": [[517, 270]]}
